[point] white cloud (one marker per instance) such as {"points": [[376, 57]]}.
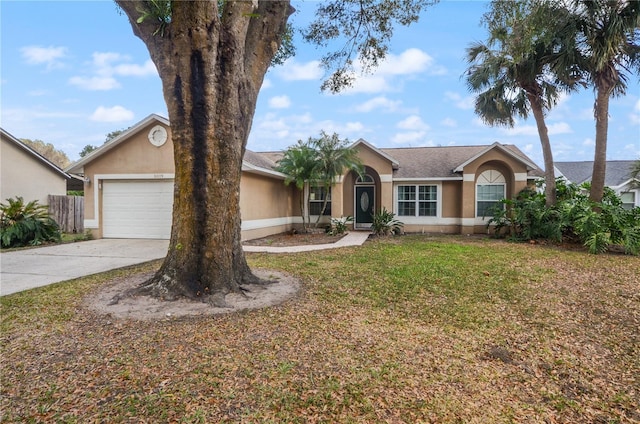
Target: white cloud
{"points": [[97, 83], [279, 102], [449, 122], [133, 70], [106, 66], [633, 149], [411, 61], [588, 142], [49, 56], [112, 114], [635, 115], [294, 71], [379, 102], [411, 138], [413, 123], [368, 84], [388, 75], [532, 130], [465, 103]]}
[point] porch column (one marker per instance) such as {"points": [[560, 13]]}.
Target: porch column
{"points": [[468, 204], [386, 192], [337, 198]]}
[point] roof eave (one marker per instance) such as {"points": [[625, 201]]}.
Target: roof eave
{"points": [[78, 167]]}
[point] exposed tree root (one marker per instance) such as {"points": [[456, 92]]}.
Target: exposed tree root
{"points": [[162, 287]]}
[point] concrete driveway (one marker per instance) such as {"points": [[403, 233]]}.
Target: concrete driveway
{"points": [[26, 269]]}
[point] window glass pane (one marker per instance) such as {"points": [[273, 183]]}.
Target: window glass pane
{"points": [[488, 198], [428, 192], [316, 207], [406, 193], [406, 208], [628, 200], [316, 201], [427, 209]]}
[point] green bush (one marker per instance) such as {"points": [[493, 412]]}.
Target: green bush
{"points": [[339, 225], [23, 224], [573, 218], [384, 223]]}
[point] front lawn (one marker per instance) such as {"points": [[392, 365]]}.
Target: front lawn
{"points": [[410, 329]]}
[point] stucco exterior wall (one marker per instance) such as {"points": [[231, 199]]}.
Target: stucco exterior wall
{"points": [[23, 175], [451, 199], [514, 172], [133, 156], [266, 206]]}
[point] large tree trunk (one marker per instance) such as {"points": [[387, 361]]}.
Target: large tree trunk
{"points": [[601, 110], [543, 133], [211, 71]]}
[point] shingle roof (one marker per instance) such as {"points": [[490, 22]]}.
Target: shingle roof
{"points": [[414, 162], [618, 171], [439, 162], [260, 160]]}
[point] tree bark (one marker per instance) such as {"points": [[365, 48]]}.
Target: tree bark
{"points": [[212, 65], [543, 133], [601, 111]]}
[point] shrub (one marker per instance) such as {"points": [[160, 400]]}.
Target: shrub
{"points": [[339, 225], [574, 217], [24, 224], [384, 223]]}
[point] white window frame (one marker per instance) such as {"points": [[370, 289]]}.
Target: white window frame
{"points": [[634, 200], [491, 177], [320, 200], [416, 201]]}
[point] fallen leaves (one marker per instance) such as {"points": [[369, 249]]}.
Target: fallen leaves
{"points": [[398, 332]]}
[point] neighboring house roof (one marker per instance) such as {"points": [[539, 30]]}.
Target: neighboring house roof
{"points": [[618, 172], [37, 156], [448, 161]]}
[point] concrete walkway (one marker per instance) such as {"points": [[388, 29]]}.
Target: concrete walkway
{"points": [[30, 268]]}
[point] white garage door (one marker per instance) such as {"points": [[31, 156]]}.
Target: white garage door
{"points": [[137, 209]]}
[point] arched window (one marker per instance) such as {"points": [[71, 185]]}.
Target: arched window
{"points": [[490, 189], [364, 179]]}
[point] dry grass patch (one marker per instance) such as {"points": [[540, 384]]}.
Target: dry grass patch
{"points": [[417, 329]]}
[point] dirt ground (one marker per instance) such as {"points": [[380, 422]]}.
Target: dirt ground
{"points": [[258, 296], [148, 308], [297, 239]]}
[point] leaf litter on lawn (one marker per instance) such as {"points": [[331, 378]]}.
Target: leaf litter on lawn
{"points": [[547, 336]]}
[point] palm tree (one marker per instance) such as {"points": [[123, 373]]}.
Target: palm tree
{"points": [[607, 36], [333, 158], [512, 75], [299, 166]]}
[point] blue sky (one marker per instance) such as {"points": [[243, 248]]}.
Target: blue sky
{"points": [[73, 71]]}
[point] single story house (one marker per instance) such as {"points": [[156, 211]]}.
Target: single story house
{"points": [[26, 173], [618, 178], [129, 186]]}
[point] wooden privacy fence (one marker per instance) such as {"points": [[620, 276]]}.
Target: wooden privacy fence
{"points": [[68, 212]]}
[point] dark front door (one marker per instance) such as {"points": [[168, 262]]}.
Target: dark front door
{"points": [[365, 203]]}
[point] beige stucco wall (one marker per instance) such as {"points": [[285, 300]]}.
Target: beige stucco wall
{"points": [[133, 156], [23, 175], [266, 204], [494, 159], [451, 199], [381, 169]]}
